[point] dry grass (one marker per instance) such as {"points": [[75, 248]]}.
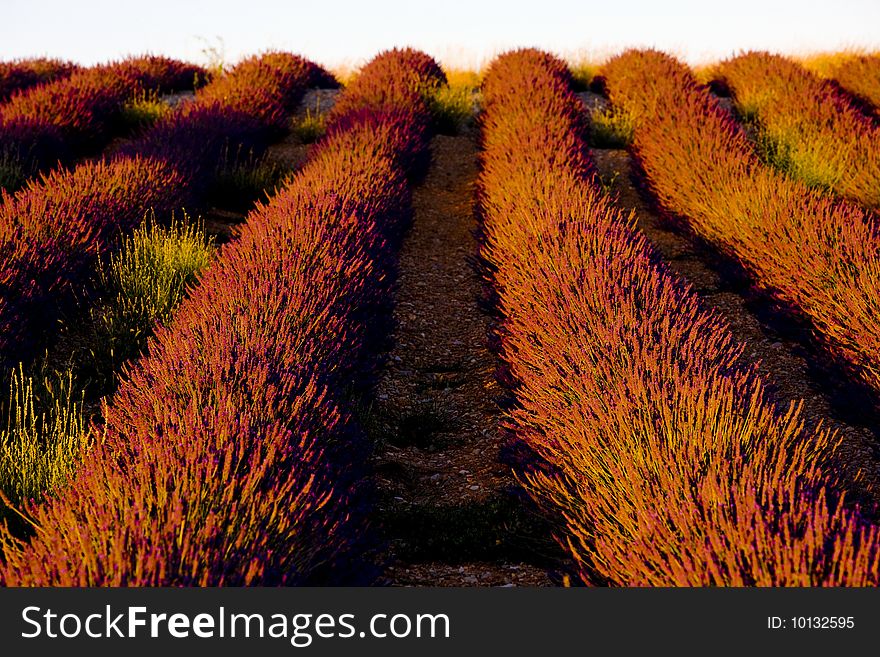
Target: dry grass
{"points": [[461, 78], [825, 64], [584, 65], [345, 73]]}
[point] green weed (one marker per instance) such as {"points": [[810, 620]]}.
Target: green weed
{"points": [[44, 436], [13, 174], [144, 110], [452, 107], [242, 178], [145, 282], [611, 128], [214, 55], [310, 127], [583, 72]]}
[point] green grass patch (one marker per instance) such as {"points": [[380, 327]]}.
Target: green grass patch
{"points": [[799, 159], [13, 174]]}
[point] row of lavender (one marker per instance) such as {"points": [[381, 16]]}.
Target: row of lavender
{"points": [[818, 254], [808, 127], [229, 454], [78, 113], [663, 458], [53, 231]]}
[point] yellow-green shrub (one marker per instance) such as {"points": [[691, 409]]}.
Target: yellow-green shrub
{"points": [[43, 435], [146, 281]]}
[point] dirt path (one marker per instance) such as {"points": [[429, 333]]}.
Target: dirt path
{"points": [[785, 359], [447, 506]]}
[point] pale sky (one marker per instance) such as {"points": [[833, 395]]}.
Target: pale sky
{"points": [[459, 32]]}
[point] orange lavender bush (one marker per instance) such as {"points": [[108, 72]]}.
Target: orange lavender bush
{"points": [[19, 75], [807, 126], [819, 255], [860, 76], [243, 110], [394, 78], [663, 459]]}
